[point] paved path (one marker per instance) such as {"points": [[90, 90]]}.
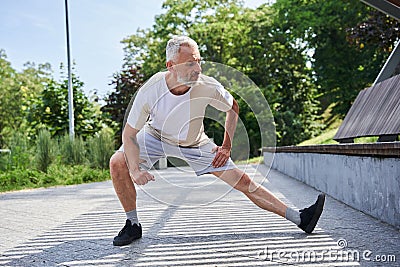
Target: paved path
{"points": [[187, 221]]}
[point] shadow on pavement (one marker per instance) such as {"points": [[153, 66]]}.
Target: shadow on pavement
{"points": [[225, 233]]}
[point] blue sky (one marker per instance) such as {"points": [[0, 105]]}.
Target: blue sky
{"points": [[34, 30]]}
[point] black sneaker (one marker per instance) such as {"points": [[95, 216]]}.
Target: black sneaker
{"points": [[310, 216], [128, 234]]}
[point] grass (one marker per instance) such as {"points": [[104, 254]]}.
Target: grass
{"points": [[333, 123], [327, 138], [323, 139], [255, 160]]}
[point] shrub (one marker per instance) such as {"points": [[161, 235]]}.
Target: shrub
{"points": [[72, 151], [20, 156], [47, 179], [45, 150], [5, 159], [50, 172], [68, 175], [19, 179], [101, 148], [95, 175]]}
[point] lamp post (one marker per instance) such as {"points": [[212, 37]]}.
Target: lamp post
{"points": [[70, 91]]}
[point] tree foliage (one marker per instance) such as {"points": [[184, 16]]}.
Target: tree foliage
{"points": [[19, 90], [281, 70], [126, 83], [341, 69], [50, 110], [376, 29], [7, 96]]}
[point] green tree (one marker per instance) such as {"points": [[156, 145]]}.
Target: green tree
{"points": [[216, 25], [18, 93], [278, 63], [50, 110], [341, 69], [9, 108]]}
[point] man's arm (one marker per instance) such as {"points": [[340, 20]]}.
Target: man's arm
{"points": [[131, 151], [224, 151]]}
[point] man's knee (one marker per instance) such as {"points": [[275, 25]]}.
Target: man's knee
{"points": [[243, 184], [118, 163]]}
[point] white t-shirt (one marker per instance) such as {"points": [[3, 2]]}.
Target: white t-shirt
{"points": [[177, 119]]}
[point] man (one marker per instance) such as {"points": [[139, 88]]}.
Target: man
{"points": [[167, 119]]}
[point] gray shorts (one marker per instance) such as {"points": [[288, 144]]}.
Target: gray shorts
{"points": [[198, 158]]}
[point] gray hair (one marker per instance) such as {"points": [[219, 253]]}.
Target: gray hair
{"points": [[175, 43]]}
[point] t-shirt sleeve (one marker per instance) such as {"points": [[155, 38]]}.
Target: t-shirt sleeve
{"points": [[222, 100], [139, 111]]}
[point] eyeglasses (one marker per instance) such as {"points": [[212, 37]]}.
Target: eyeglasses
{"points": [[193, 63]]}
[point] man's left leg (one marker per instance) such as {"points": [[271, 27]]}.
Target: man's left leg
{"points": [[306, 219]]}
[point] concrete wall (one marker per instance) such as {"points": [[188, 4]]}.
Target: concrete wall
{"points": [[369, 184]]}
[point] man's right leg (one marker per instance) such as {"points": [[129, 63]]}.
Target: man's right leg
{"points": [[122, 182], [126, 192]]}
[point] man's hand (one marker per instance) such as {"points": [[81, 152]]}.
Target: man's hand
{"points": [[222, 156], [141, 177]]}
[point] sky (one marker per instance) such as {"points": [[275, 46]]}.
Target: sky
{"points": [[34, 31]]}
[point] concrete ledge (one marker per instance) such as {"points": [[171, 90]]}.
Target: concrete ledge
{"points": [[391, 149], [366, 183]]}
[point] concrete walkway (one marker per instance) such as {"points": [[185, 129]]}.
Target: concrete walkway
{"points": [[187, 221]]}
